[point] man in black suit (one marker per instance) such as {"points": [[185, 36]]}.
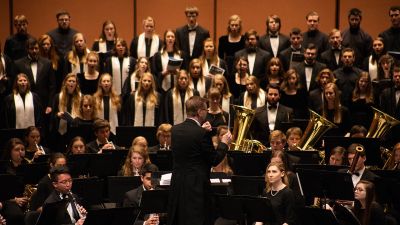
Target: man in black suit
{"points": [[360, 171], [191, 36], [391, 36], [356, 38], [256, 56], [309, 68], [40, 74], [72, 213], [133, 197], [270, 116], [63, 34], [273, 41], [313, 35], [15, 45], [294, 54], [347, 75], [193, 157], [331, 57]]}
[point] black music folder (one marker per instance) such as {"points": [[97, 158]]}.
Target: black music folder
{"points": [[325, 184], [112, 216], [245, 208], [117, 186], [249, 164], [33, 173], [248, 185], [126, 134], [317, 216]]}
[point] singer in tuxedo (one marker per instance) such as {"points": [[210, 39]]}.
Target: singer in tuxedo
{"points": [[270, 116], [73, 213], [193, 157], [273, 41], [191, 36]]}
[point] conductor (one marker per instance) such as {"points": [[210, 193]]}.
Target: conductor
{"points": [[193, 156]]}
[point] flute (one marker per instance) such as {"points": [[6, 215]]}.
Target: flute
{"points": [[110, 142]]}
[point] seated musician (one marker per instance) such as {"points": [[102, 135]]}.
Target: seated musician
{"points": [[360, 171], [102, 133], [337, 156], [293, 135], [133, 197], [358, 131], [277, 140], [223, 166], [163, 138]]}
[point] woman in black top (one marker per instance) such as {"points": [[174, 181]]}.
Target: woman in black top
{"points": [[106, 42], [366, 209], [293, 95], [89, 79], [334, 111], [281, 196], [232, 42], [215, 115], [362, 101]]}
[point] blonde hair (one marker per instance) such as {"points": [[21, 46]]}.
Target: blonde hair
{"points": [[72, 55], [281, 168], [152, 95], [65, 97], [127, 167], [337, 115], [114, 97]]}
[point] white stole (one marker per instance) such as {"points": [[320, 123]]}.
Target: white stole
{"points": [[373, 69], [200, 86], [75, 69], [149, 117], [141, 47], [113, 116], [260, 99], [24, 114], [119, 78], [102, 47], [178, 111], [226, 104], [167, 79]]}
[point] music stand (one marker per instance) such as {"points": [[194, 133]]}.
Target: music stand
{"points": [[163, 160], [90, 190], [52, 211], [317, 216], [14, 186], [318, 167], [325, 184], [84, 130], [245, 208], [100, 165], [113, 216], [248, 185], [371, 145], [126, 134], [7, 134], [33, 173], [117, 186], [155, 201], [249, 164], [387, 186]]}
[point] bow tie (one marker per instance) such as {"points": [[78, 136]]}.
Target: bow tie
{"points": [[270, 107], [309, 65], [192, 28], [273, 35], [336, 49], [356, 174]]}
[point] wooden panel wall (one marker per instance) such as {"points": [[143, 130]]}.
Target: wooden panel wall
{"points": [[88, 16]]}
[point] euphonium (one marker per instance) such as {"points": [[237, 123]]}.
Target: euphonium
{"points": [[243, 119], [316, 127], [381, 124]]}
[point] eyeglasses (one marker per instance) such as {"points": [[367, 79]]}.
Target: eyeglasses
{"points": [[64, 182], [359, 189]]}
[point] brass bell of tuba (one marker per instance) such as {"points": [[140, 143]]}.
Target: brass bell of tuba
{"points": [[381, 124], [243, 118], [316, 127]]}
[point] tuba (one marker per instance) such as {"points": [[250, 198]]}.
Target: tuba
{"points": [[316, 127], [381, 124], [243, 119]]}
